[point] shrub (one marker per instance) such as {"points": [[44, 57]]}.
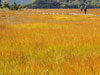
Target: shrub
{"points": [[5, 4]]}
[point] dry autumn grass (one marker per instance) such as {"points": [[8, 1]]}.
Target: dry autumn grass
{"points": [[34, 44]]}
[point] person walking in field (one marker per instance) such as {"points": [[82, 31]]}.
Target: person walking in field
{"points": [[81, 8], [85, 9]]}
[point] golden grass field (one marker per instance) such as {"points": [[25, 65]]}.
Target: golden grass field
{"points": [[36, 44]]}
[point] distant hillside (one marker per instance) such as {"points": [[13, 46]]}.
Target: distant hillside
{"points": [[63, 3]]}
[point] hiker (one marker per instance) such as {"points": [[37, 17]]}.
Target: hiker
{"points": [[81, 8], [85, 9]]}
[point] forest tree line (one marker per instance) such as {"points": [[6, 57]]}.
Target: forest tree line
{"points": [[13, 6]]}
